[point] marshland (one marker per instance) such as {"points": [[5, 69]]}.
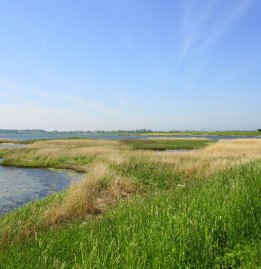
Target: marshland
{"points": [[154, 203]]}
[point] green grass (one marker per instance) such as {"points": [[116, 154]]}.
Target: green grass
{"points": [[151, 177], [22, 157], [210, 223], [9, 141], [168, 144]]}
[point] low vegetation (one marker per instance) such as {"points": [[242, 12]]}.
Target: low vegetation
{"points": [[206, 133], [168, 144], [139, 208], [12, 141]]}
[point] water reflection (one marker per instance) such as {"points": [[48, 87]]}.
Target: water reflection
{"points": [[19, 186], [11, 145]]}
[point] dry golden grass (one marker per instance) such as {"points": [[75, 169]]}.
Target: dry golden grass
{"points": [[74, 148], [100, 187], [217, 157], [74, 143]]}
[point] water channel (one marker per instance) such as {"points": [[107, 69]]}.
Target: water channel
{"points": [[18, 186]]}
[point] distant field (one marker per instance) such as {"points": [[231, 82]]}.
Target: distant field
{"points": [[218, 133], [138, 207]]}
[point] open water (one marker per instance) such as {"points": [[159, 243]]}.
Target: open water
{"points": [[18, 186], [60, 135]]}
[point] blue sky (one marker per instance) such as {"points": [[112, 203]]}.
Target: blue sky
{"points": [[130, 64]]}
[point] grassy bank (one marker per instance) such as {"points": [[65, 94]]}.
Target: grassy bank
{"points": [[139, 208], [11, 141]]}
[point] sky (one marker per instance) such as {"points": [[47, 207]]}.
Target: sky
{"points": [[130, 64]]}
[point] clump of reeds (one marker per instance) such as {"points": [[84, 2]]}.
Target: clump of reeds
{"points": [[210, 160], [100, 187]]}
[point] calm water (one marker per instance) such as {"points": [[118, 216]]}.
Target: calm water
{"points": [[55, 136], [11, 145], [18, 186]]}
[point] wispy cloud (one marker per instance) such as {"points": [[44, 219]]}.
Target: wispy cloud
{"points": [[17, 89], [15, 93], [225, 22], [192, 24], [86, 105], [202, 27]]}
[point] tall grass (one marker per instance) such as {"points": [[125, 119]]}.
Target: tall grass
{"points": [[214, 224]]}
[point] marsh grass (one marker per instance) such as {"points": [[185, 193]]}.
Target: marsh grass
{"points": [[190, 209], [168, 144], [7, 141], [100, 188]]}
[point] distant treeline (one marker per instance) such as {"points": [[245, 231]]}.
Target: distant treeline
{"points": [[35, 131], [40, 131]]}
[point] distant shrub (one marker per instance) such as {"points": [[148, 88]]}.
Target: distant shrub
{"points": [[259, 130]]}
